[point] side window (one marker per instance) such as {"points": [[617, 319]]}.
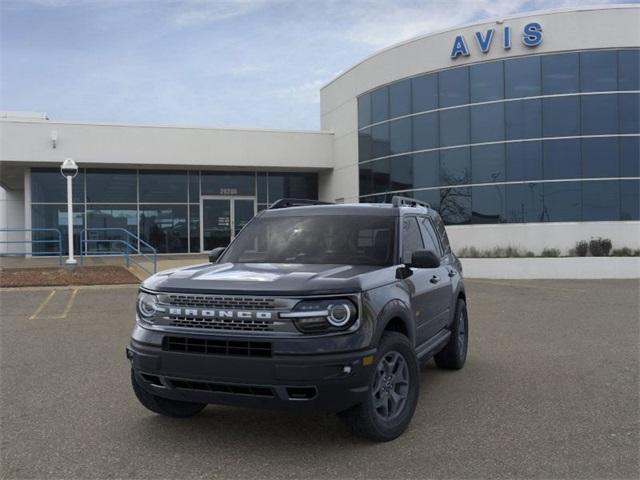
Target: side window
{"points": [[442, 233], [429, 235], [411, 238]]}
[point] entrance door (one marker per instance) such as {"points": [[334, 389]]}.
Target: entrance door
{"points": [[221, 218]]}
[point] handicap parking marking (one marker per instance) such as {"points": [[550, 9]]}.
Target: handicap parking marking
{"points": [[37, 314]]}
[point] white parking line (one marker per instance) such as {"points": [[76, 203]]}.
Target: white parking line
{"points": [[63, 315], [42, 305]]}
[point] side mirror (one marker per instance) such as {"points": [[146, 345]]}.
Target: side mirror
{"points": [[424, 259], [215, 254]]}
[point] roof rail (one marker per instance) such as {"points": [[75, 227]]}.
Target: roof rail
{"points": [[398, 201], [296, 202]]}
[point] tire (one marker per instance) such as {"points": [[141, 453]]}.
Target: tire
{"points": [[164, 406], [454, 354], [368, 419]]}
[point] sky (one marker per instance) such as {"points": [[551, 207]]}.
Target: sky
{"points": [[226, 63]]}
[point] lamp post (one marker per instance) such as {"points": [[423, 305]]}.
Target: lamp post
{"points": [[69, 170]]}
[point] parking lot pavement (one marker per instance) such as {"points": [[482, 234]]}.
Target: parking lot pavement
{"points": [[550, 390]]}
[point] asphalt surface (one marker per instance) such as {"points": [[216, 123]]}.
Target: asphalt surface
{"points": [[550, 390]]}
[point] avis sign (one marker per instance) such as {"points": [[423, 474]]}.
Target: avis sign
{"points": [[531, 37]]}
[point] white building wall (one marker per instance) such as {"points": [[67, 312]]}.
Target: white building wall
{"points": [[11, 217]]}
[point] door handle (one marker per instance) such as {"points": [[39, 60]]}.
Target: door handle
{"points": [[435, 279]]}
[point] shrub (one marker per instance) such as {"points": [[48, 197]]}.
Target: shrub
{"points": [[581, 248], [600, 247], [550, 252]]}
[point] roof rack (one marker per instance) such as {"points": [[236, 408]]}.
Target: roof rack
{"points": [[296, 202], [398, 201]]}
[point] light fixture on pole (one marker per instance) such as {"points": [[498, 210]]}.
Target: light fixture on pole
{"points": [[69, 170]]}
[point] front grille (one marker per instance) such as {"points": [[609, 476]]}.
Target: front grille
{"points": [[254, 390], [217, 347], [222, 324], [222, 302]]}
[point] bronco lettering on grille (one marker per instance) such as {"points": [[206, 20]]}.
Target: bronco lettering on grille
{"points": [[234, 314]]}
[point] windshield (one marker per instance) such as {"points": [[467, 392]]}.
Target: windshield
{"points": [[328, 239]]}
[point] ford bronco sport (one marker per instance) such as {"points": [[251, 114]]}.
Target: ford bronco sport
{"points": [[311, 307]]}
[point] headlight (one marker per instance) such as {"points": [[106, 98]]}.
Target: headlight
{"points": [[147, 305], [321, 316]]}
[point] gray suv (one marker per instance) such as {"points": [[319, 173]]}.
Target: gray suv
{"points": [[312, 307]]}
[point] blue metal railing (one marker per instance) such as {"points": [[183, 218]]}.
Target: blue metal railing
{"points": [[131, 250], [31, 241]]}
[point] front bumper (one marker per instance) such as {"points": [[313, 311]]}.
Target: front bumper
{"points": [[321, 382]]}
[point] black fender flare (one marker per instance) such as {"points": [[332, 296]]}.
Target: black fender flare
{"points": [[395, 309]]}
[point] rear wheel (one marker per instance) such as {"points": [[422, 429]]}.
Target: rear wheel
{"points": [[393, 392], [454, 354], [164, 406]]}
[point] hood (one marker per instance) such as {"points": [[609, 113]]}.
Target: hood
{"points": [[271, 278]]}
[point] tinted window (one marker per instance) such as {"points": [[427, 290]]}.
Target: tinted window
{"points": [[600, 157], [117, 217], [108, 186], [600, 200], [261, 186], [227, 183], [442, 233], [455, 205], [454, 87], [194, 186], [426, 169], [599, 114], [366, 176], [629, 70], [522, 77], [365, 144], [411, 238], [629, 113], [400, 135], [455, 166], [194, 228], [487, 123], [165, 227], [524, 203], [454, 127], [380, 140], [561, 116], [630, 157], [292, 185], [424, 93], [425, 131], [400, 99], [629, 203], [487, 164], [53, 216], [488, 204], [163, 186], [48, 185], [562, 159], [380, 105], [562, 201], [523, 119], [432, 197], [524, 161], [487, 82], [364, 110], [401, 172], [429, 236], [599, 71], [560, 73], [381, 174]]}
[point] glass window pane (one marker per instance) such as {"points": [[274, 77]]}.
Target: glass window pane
{"points": [[48, 185], [381, 174], [524, 203], [561, 116], [524, 161], [380, 140], [562, 201], [365, 144], [261, 186], [165, 227], [488, 204], [402, 173], [228, 183], [600, 200], [411, 238], [629, 200], [455, 166], [426, 169], [106, 186], [487, 123], [400, 135], [293, 185], [455, 205], [432, 197], [454, 87], [163, 186], [380, 105], [560, 73], [629, 113], [599, 71], [53, 216], [600, 157], [522, 77], [424, 93], [110, 223], [487, 164], [429, 236], [487, 82], [562, 159], [425, 131], [400, 98], [629, 69], [454, 127], [194, 186], [194, 228], [366, 178], [364, 110], [630, 156], [599, 114], [523, 119]]}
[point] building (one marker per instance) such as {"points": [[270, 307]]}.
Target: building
{"points": [[520, 131]]}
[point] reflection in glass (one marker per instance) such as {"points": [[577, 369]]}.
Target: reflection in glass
{"points": [[562, 201], [523, 119], [424, 93], [163, 186], [194, 227], [524, 203], [364, 110], [364, 145], [600, 157], [108, 222], [426, 169], [380, 140], [601, 200], [112, 186], [432, 197], [401, 173], [487, 123], [561, 116], [629, 113], [53, 216], [425, 131], [629, 200], [599, 71], [454, 87], [522, 77], [380, 105], [292, 185], [487, 164], [562, 159], [165, 227], [400, 135], [560, 73], [488, 204], [524, 161], [630, 157], [261, 186], [400, 98], [381, 174], [227, 183], [455, 205], [454, 127], [455, 166], [194, 186], [243, 211], [487, 82], [48, 185], [599, 114], [366, 178], [629, 69]]}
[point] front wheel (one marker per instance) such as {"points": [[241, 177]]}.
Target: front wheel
{"points": [[454, 354], [392, 395], [164, 406]]}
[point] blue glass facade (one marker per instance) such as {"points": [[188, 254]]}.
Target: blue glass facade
{"points": [[544, 138]]}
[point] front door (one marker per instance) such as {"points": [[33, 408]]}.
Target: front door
{"points": [[221, 218]]}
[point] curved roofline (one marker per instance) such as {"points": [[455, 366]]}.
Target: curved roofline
{"points": [[613, 6]]}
